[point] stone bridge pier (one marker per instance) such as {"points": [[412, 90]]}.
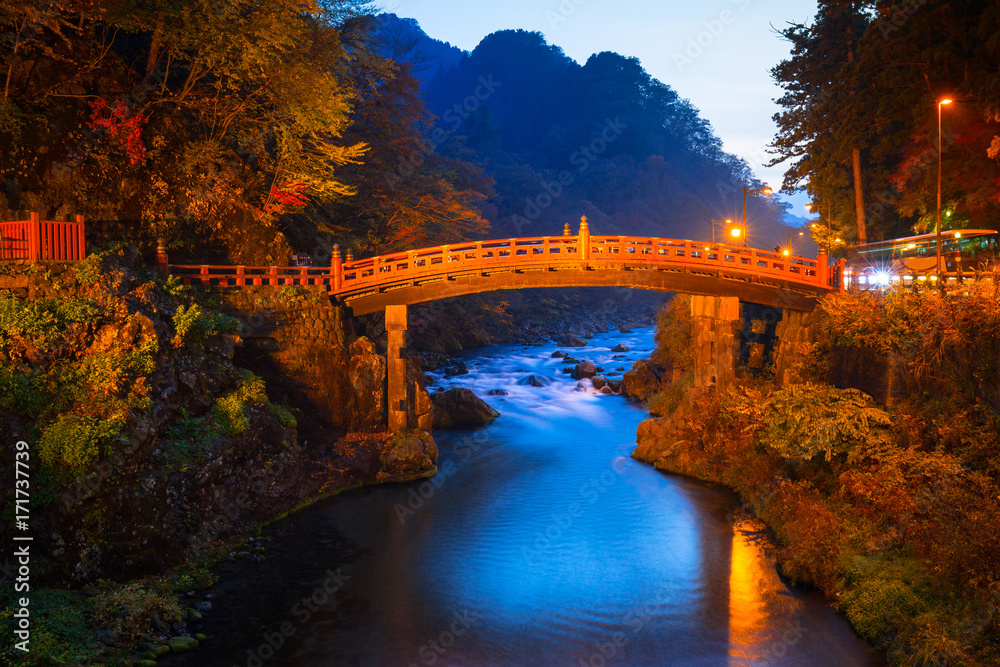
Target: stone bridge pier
{"points": [[715, 322]]}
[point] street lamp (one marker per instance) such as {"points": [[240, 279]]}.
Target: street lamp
{"points": [[733, 232], [939, 105], [761, 191]]}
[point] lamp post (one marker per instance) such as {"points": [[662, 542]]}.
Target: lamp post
{"points": [[734, 232], [755, 192], [939, 105]]}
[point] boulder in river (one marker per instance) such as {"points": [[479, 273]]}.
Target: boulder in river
{"points": [[409, 455], [619, 348], [534, 381], [642, 381], [497, 392], [569, 340], [625, 330], [461, 407], [558, 354], [458, 368], [584, 369]]}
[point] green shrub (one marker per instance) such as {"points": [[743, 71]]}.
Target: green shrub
{"points": [[76, 441], [876, 605], [196, 324], [232, 413], [43, 321], [129, 610], [59, 633], [804, 420], [673, 334], [189, 441]]}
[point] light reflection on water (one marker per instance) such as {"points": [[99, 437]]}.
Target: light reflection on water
{"points": [[542, 543]]}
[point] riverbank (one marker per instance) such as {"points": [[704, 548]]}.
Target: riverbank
{"points": [[151, 454], [888, 510]]}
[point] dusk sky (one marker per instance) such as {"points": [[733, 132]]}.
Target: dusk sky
{"points": [[716, 53]]}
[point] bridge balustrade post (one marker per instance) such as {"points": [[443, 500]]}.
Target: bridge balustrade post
{"points": [[584, 239], [162, 261], [822, 268], [566, 231], [336, 269], [35, 237], [395, 325], [81, 240], [545, 247]]}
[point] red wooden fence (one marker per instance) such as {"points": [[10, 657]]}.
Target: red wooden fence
{"points": [[39, 240]]}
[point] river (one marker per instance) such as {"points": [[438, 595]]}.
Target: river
{"points": [[539, 542]]}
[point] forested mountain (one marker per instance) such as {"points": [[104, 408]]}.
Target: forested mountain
{"points": [[604, 140], [859, 127]]}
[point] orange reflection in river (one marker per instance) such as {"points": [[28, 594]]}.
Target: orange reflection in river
{"points": [[749, 587]]}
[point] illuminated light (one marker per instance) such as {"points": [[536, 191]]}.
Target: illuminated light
{"points": [[729, 221], [945, 101], [767, 191], [838, 240], [948, 213], [958, 235], [801, 233], [911, 246], [922, 278], [735, 232], [786, 252]]}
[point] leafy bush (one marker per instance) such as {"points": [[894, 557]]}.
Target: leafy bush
{"points": [[59, 633], [43, 321], [189, 441], [129, 611], [803, 420], [196, 324], [877, 604], [231, 412], [673, 334], [76, 441]]}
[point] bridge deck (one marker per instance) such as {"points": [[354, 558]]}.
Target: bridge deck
{"points": [[413, 276]]}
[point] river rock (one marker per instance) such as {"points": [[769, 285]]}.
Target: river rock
{"points": [[558, 354], [584, 369], [182, 644], [598, 382], [625, 330], [497, 392], [642, 381], [588, 335], [461, 407], [458, 368], [535, 381], [367, 375], [619, 348], [570, 360], [409, 454], [569, 340]]}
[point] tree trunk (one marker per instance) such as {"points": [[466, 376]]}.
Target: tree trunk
{"points": [[859, 196]]}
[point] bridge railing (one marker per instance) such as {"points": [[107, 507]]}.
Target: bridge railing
{"points": [[596, 250], [38, 240], [245, 276]]}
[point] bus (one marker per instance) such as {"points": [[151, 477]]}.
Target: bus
{"points": [[963, 251]]}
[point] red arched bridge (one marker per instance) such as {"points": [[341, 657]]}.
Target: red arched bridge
{"points": [[368, 285]]}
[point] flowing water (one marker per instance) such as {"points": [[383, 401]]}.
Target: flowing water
{"points": [[539, 542]]}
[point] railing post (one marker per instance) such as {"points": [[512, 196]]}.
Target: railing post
{"points": [[350, 256], [162, 261], [81, 238], [241, 280], [841, 268], [545, 247], [336, 270], [273, 279], [35, 237], [566, 229], [822, 268], [584, 239], [203, 278]]}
